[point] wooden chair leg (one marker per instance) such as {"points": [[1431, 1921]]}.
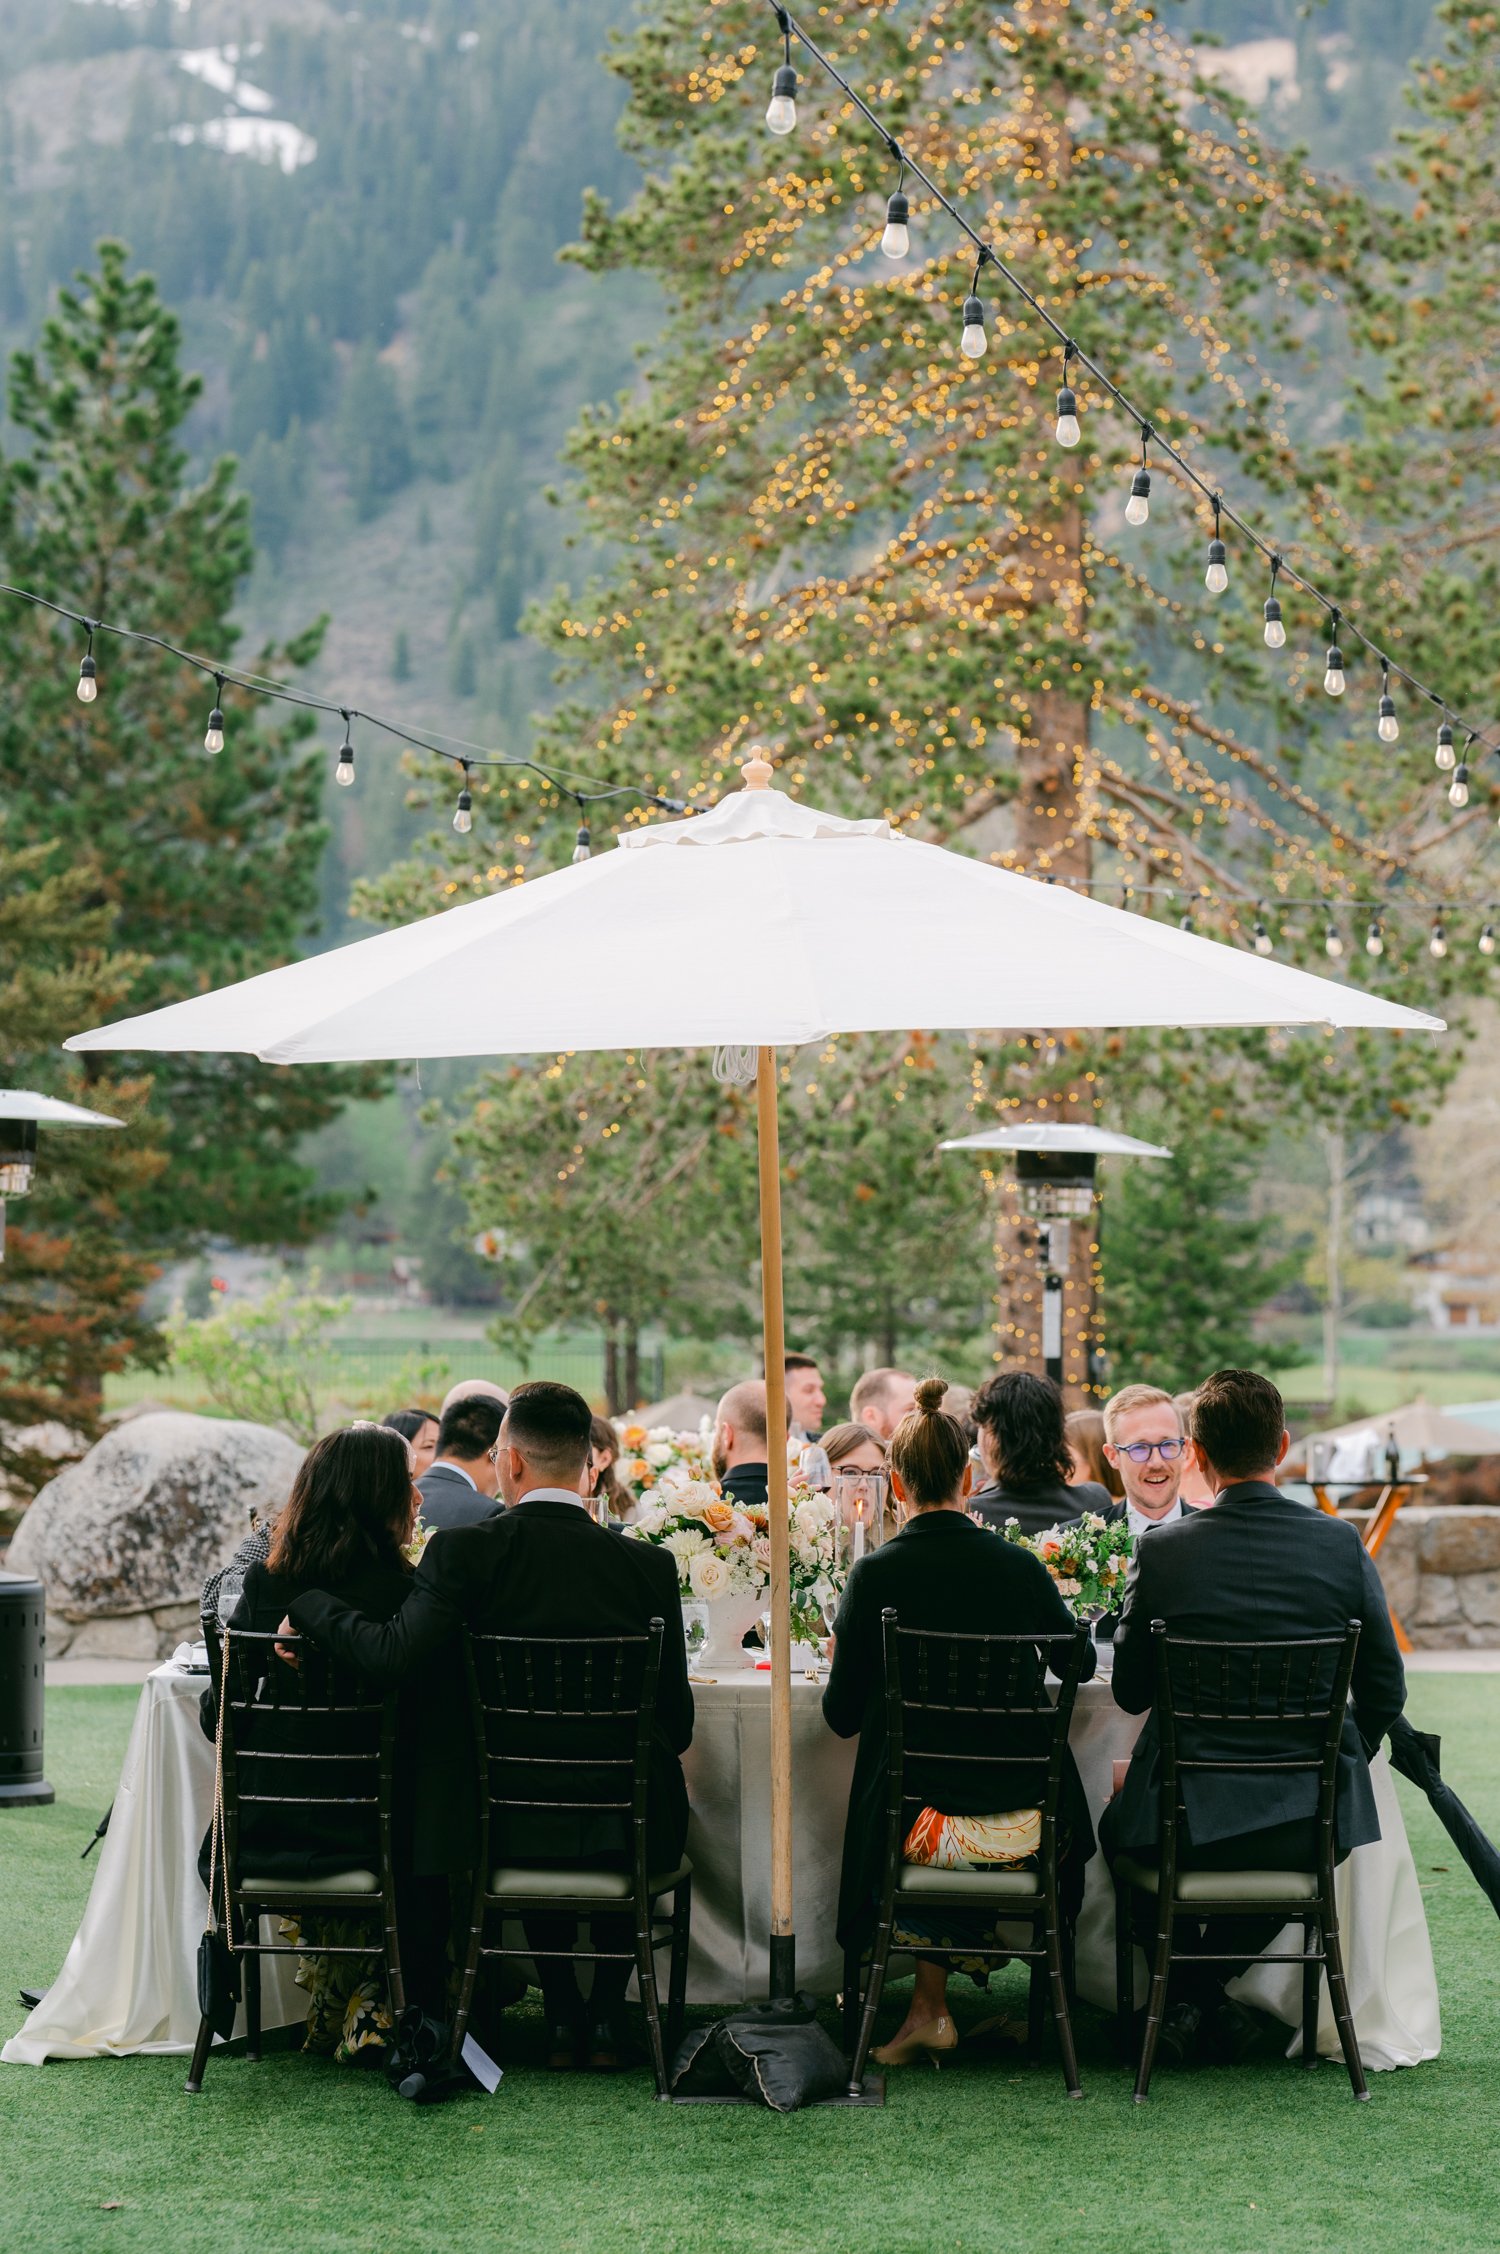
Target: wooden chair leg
{"points": [[1124, 1971], [194, 2082], [1156, 2000], [879, 1958], [851, 1999], [1312, 1985], [470, 1969], [682, 1922], [1338, 1991], [645, 1966], [252, 1988], [1062, 2016]]}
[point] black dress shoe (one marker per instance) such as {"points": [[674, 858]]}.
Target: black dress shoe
{"points": [[606, 2047], [563, 2045], [1177, 2039], [1235, 2034]]}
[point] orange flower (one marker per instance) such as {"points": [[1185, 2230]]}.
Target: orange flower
{"points": [[718, 1517]]}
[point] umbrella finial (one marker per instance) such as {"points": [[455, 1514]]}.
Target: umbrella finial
{"points": [[757, 770]]}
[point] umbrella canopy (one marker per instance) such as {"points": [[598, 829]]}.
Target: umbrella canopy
{"points": [[1422, 1433], [50, 1111], [1042, 1135], [764, 923]]}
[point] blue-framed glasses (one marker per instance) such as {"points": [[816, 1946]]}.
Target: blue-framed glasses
{"points": [[1141, 1451]]}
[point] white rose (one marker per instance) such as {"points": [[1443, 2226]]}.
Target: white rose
{"points": [[807, 1519], [708, 1576], [650, 1521], [659, 1454]]}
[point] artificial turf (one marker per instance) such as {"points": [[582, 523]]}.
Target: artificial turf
{"points": [[987, 2154]]}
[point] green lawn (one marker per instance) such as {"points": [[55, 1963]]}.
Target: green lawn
{"points": [[984, 2155]]}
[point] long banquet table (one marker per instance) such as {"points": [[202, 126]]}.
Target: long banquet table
{"points": [[128, 1982]]}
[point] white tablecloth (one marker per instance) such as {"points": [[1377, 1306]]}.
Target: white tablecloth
{"points": [[129, 1982], [129, 1985]]}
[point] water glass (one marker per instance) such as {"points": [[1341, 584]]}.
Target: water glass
{"points": [[695, 1629]]}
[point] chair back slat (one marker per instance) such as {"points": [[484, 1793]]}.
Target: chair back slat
{"points": [[311, 1735], [994, 1688], [564, 1723], [1297, 1689]]}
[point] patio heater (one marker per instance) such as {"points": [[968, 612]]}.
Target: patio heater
{"points": [[22, 1112], [1053, 1174], [22, 1599]]}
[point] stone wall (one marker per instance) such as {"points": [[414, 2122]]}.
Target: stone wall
{"points": [[1441, 1570]]}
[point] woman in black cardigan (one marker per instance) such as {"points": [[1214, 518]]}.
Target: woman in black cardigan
{"points": [[941, 1572]]}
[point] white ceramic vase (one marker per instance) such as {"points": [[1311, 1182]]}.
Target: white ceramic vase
{"points": [[730, 1620]]}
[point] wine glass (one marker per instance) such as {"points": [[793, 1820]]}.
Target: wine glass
{"points": [[695, 1630], [231, 1589]]}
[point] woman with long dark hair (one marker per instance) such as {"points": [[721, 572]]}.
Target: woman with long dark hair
{"points": [[419, 1429], [343, 1527]]}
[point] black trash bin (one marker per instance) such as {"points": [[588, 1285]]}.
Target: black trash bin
{"points": [[23, 1682]]}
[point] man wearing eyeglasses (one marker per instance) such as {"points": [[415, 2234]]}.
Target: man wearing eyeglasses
{"points": [[1143, 1439]]}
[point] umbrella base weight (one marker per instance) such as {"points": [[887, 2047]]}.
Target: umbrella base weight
{"points": [[871, 2092]]}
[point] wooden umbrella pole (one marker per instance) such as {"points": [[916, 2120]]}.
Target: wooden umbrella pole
{"points": [[783, 1944]]}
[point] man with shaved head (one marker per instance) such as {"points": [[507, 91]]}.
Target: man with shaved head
{"points": [[740, 1444]]}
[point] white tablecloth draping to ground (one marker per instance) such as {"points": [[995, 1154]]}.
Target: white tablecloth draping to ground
{"points": [[128, 1983]]}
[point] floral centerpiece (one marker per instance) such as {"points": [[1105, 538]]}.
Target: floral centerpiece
{"points": [[723, 1552], [656, 1456], [1088, 1561]]}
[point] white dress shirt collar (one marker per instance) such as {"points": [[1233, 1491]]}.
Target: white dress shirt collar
{"points": [[446, 1463], [557, 1495], [1140, 1524]]}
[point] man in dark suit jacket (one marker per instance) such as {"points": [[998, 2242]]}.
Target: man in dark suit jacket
{"points": [[1023, 1445], [459, 1486], [1258, 1567], [543, 1567]]}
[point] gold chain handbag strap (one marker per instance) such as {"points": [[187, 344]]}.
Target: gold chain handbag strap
{"points": [[217, 1856]]}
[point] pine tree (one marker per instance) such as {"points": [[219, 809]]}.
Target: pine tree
{"points": [[73, 1273], [206, 866], [833, 532]]}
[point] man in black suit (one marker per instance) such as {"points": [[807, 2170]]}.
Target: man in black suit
{"points": [[739, 1448], [541, 1567], [459, 1486], [1257, 1567], [1023, 1445]]}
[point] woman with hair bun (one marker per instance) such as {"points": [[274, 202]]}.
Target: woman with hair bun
{"points": [[945, 1573]]}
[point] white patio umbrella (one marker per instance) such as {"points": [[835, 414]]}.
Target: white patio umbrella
{"points": [[22, 1111], [761, 925]]}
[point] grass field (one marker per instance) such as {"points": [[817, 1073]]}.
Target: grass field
{"points": [[985, 2155]]}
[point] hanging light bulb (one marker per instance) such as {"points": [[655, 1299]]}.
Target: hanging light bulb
{"points": [[214, 738], [1333, 678], [973, 343], [1387, 727], [1275, 631], [1458, 789], [781, 110], [1487, 940], [463, 812], [1374, 938], [1068, 431], [1138, 507], [1264, 944], [896, 241], [1185, 923], [88, 673], [1216, 578], [582, 843], [1447, 757], [1333, 944], [1437, 943], [344, 771]]}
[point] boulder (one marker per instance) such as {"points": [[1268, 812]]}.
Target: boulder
{"points": [[130, 1533]]}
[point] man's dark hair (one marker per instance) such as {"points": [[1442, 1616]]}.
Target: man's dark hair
{"points": [[470, 1428], [800, 1362], [550, 1425], [1024, 1415], [1238, 1420]]}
